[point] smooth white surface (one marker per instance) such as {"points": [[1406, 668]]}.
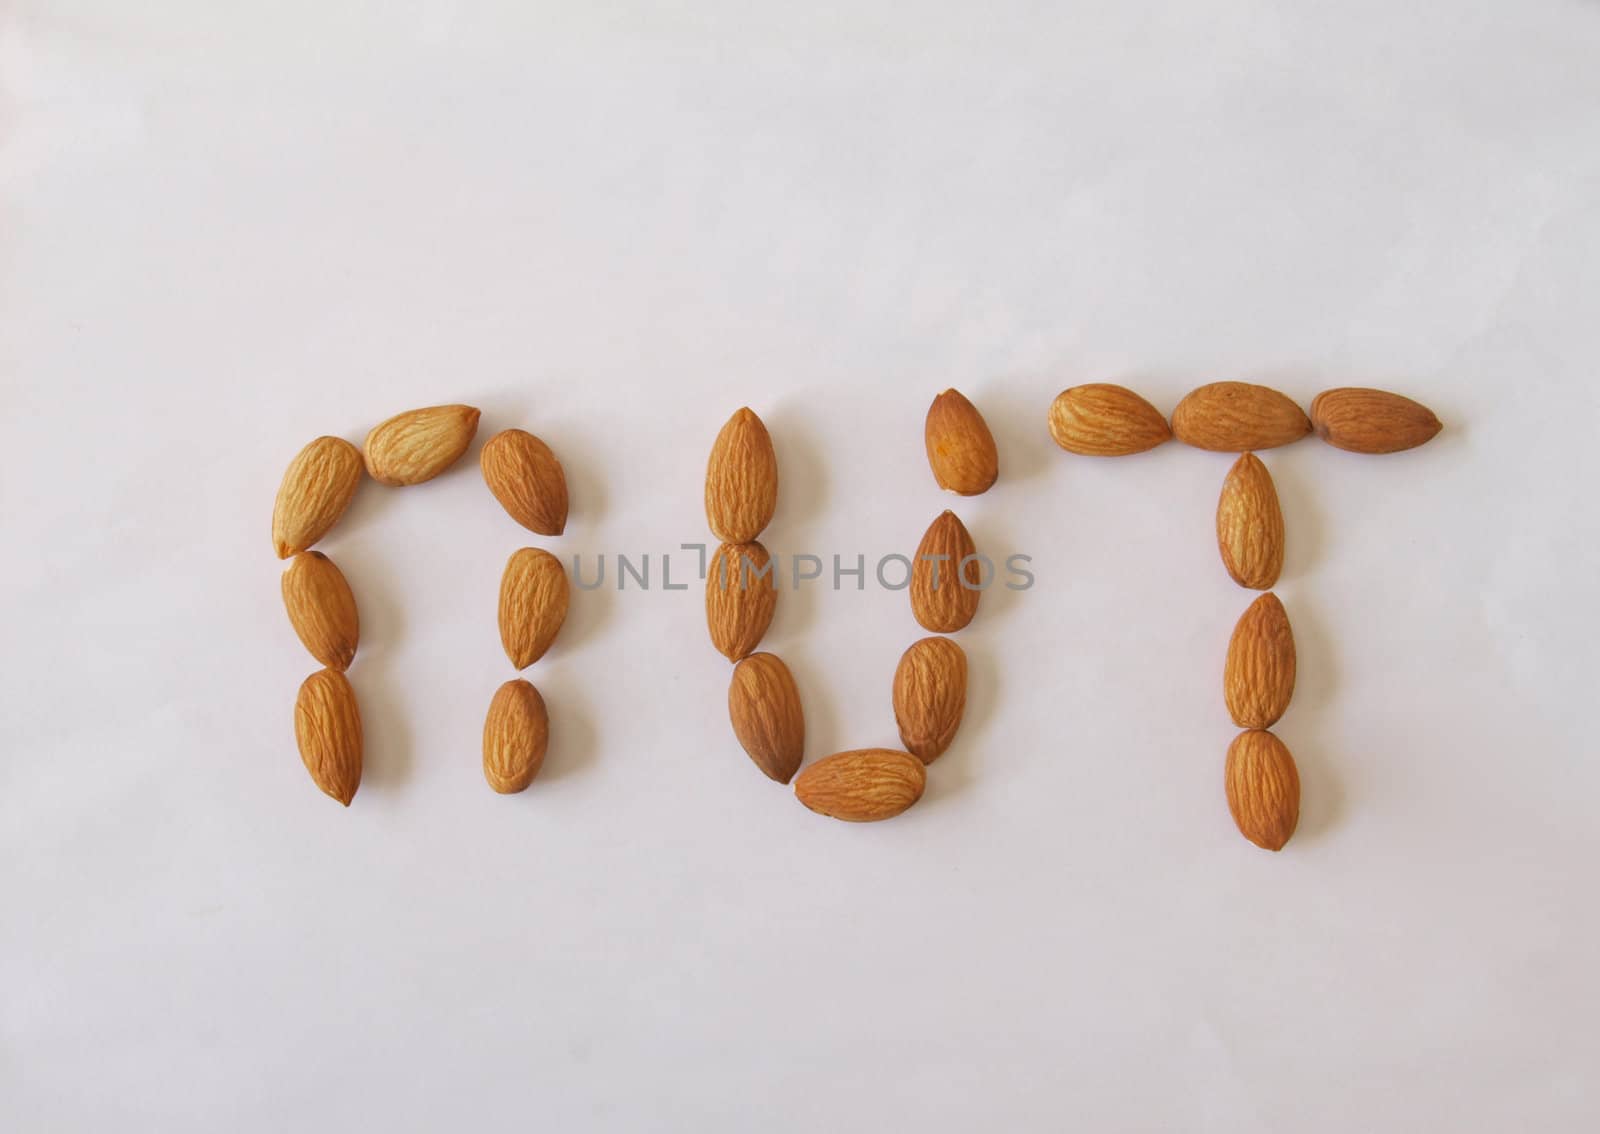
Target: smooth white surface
{"points": [[230, 227]]}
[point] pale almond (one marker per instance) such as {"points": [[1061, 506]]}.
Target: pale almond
{"points": [[327, 727], [741, 479], [1371, 421], [764, 707], [515, 735], [862, 786], [946, 577], [961, 450], [527, 479], [533, 604], [1258, 677], [316, 489], [1263, 789], [1235, 417], [1250, 525], [322, 609], [930, 696], [1099, 419], [741, 597], [419, 444]]}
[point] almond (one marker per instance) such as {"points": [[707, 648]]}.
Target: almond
{"points": [[862, 786], [1233, 417], [1103, 420], [1263, 789], [515, 735], [1371, 421], [526, 478], [741, 480], [930, 696], [316, 490], [946, 577], [764, 706], [327, 727], [1250, 525], [321, 609], [961, 450], [533, 604], [419, 444], [1258, 677], [741, 597]]}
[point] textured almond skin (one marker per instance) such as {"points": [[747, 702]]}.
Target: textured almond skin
{"points": [[527, 479], [327, 727], [1363, 420], [740, 600], [862, 786], [1263, 789], [322, 609], [764, 707], [1099, 419], [741, 480], [961, 450], [930, 696], [1250, 525], [515, 735], [533, 604], [316, 489], [1235, 417], [1258, 677], [947, 604], [419, 444]]}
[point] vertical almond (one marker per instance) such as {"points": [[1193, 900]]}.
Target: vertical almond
{"points": [[961, 450], [327, 727], [515, 735], [1250, 525], [1235, 417], [533, 604], [321, 609], [419, 444], [1371, 421], [1099, 419], [1263, 789], [1258, 677], [316, 489], [930, 696], [862, 786], [527, 479], [741, 598], [741, 480], [764, 707], [947, 578]]}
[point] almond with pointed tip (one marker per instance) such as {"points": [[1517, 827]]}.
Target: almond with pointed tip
{"points": [[862, 786], [533, 604], [930, 696], [1100, 419], [515, 735], [1235, 417], [419, 444], [1263, 789], [946, 576], [527, 479], [327, 727], [741, 479], [741, 598], [764, 707], [1250, 525], [961, 450], [321, 609], [317, 487], [1371, 421], [1258, 677]]}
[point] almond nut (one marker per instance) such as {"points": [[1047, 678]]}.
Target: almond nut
{"points": [[1258, 677], [1250, 525], [946, 577], [321, 609], [1371, 421], [764, 706], [527, 479], [1234, 417], [1102, 420], [327, 727], [419, 444], [533, 604], [1263, 789], [741, 597], [862, 786], [930, 696], [515, 735], [961, 450], [741, 480], [316, 489]]}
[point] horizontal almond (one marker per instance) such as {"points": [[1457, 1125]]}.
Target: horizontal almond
{"points": [[322, 609], [1235, 417], [930, 696], [947, 578], [862, 786], [1250, 525], [527, 479], [419, 444], [327, 727], [764, 708], [961, 450], [741, 480], [515, 735], [1258, 677], [1099, 419], [1371, 421], [317, 488], [533, 604], [1263, 789]]}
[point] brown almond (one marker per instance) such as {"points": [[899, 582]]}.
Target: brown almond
{"points": [[327, 727], [1099, 419], [1234, 417], [930, 696], [527, 479], [1263, 789], [419, 444], [862, 786], [764, 706], [533, 604], [741, 597], [961, 450], [321, 609], [1371, 421], [316, 489], [1250, 525], [515, 735], [1258, 677], [741, 480], [946, 577]]}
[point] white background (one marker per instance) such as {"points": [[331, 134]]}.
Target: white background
{"points": [[230, 227]]}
